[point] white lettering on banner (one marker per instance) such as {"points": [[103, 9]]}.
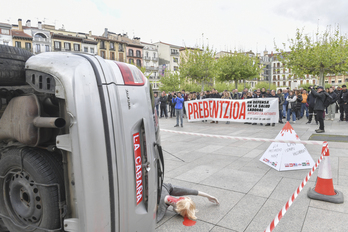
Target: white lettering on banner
{"points": [[138, 168], [264, 111]]}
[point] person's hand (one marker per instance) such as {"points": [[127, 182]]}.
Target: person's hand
{"points": [[213, 199]]}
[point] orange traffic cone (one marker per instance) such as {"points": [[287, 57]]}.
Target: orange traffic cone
{"points": [[324, 189]]}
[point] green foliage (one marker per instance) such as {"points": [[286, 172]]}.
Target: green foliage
{"points": [[325, 54], [197, 65], [237, 66], [191, 87], [221, 86], [305, 86], [241, 86], [264, 84], [170, 82]]}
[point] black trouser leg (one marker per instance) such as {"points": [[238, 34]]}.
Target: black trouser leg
{"points": [[341, 112], [320, 115], [346, 111]]}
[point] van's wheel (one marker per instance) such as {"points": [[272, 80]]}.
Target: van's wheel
{"points": [[12, 64], [23, 198]]}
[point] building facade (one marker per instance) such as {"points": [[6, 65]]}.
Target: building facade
{"points": [[111, 47], [6, 34], [20, 39], [150, 58], [41, 37], [169, 57]]}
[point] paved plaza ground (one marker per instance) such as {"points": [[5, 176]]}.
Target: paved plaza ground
{"points": [[250, 193]]}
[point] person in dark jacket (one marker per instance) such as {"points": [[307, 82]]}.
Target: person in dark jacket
{"points": [[342, 101], [311, 112], [319, 106], [331, 109], [273, 95], [215, 94], [163, 102], [257, 95], [299, 100], [281, 103], [285, 104], [171, 105]]}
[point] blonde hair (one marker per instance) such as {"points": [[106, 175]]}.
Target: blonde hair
{"points": [[186, 207]]}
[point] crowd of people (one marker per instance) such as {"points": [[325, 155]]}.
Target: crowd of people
{"points": [[314, 103]]}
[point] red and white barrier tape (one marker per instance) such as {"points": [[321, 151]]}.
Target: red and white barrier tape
{"points": [[282, 212], [243, 138]]}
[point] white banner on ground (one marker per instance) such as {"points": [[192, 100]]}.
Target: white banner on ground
{"points": [[255, 110], [287, 156]]}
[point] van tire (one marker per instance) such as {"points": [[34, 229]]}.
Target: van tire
{"points": [[12, 65], [22, 196]]}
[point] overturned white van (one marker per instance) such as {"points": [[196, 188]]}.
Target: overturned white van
{"points": [[79, 147]]}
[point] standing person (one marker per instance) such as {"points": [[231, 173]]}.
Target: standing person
{"points": [[319, 106], [273, 95], [169, 103], [215, 94], [235, 94], [157, 102], [281, 103], [311, 112], [285, 104], [184, 96], [304, 106], [331, 109], [179, 103], [226, 95], [342, 101], [263, 92], [291, 99], [201, 97], [257, 95], [163, 101], [298, 104]]}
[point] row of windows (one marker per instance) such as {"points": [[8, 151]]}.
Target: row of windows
{"points": [[138, 62], [38, 48], [18, 44], [131, 53], [67, 46], [85, 49], [5, 31], [112, 56], [111, 46], [147, 54]]}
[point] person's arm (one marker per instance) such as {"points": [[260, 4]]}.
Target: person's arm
{"points": [[210, 198], [179, 191]]}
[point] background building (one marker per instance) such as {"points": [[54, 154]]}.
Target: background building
{"points": [[150, 60], [41, 37], [169, 57], [20, 39], [6, 34]]}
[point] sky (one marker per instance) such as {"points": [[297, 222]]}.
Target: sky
{"points": [[224, 25]]}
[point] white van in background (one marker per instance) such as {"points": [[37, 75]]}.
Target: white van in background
{"points": [[80, 147]]}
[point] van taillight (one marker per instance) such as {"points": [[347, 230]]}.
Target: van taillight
{"points": [[131, 75]]}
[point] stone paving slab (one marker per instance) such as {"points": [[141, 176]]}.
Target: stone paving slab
{"points": [[250, 192]]}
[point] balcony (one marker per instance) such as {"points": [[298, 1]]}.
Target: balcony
{"points": [[36, 39], [151, 68], [155, 59], [174, 53], [147, 58]]}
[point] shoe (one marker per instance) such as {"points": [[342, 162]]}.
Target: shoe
{"points": [[217, 122], [176, 125], [261, 124], [332, 119], [294, 122], [281, 122], [320, 131], [182, 126], [273, 124], [212, 122], [254, 124], [308, 122], [268, 124], [247, 123], [284, 117]]}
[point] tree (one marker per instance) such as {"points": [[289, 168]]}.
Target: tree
{"points": [[237, 66], [170, 82], [265, 85], [327, 55], [198, 65]]}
